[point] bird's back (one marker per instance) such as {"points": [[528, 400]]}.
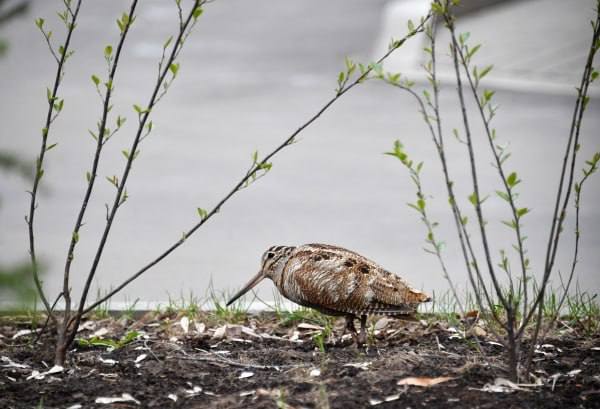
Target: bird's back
{"points": [[339, 281]]}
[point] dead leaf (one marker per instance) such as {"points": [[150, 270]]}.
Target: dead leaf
{"points": [[374, 402], [478, 331], [200, 327], [195, 390], [109, 361], [11, 364], [359, 365], [185, 324], [247, 393], [314, 372], [41, 375], [305, 325], [140, 358], [24, 332], [125, 397], [423, 380], [101, 332], [382, 323]]}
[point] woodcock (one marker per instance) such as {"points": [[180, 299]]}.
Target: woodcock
{"points": [[336, 281]]}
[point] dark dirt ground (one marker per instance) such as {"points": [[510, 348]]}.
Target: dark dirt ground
{"points": [[261, 364]]}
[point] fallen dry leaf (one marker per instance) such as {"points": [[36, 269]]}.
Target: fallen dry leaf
{"points": [[24, 332], [305, 325], [200, 327], [185, 324], [423, 380], [382, 323], [125, 397], [41, 375]]}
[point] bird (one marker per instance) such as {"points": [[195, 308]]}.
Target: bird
{"points": [[338, 282]]}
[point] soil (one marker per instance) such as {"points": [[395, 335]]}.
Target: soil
{"points": [[175, 363]]}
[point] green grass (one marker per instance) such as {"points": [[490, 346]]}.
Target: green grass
{"points": [[233, 314]]}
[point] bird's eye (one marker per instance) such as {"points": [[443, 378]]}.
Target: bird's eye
{"points": [[270, 255]]}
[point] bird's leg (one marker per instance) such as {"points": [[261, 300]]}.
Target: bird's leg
{"points": [[362, 336], [350, 326]]}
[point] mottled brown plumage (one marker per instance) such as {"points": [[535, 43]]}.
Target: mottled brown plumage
{"points": [[336, 281]]}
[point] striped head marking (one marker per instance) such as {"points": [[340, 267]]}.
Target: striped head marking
{"points": [[272, 263], [274, 259]]}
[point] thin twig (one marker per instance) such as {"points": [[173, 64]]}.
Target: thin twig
{"points": [[123, 180], [40, 160], [570, 152], [93, 172], [475, 180], [507, 188], [575, 252]]}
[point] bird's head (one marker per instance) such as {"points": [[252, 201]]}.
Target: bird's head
{"points": [[272, 263]]}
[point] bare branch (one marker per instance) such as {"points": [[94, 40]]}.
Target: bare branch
{"points": [[39, 170]]}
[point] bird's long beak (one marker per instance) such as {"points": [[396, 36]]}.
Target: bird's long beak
{"points": [[255, 280]]}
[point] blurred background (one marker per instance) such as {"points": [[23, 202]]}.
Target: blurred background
{"points": [[251, 73]]}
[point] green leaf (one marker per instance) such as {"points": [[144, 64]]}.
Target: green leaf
{"points": [[51, 146], [511, 180], [108, 51], [197, 12], [125, 153], [393, 78], [202, 213], [95, 80], [510, 223], [88, 176], [411, 25], [503, 195], [488, 94], [421, 204], [137, 108], [437, 8], [485, 71], [473, 199], [522, 211], [265, 166], [75, 236], [174, 67], [472, 51], [59, 105]]}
